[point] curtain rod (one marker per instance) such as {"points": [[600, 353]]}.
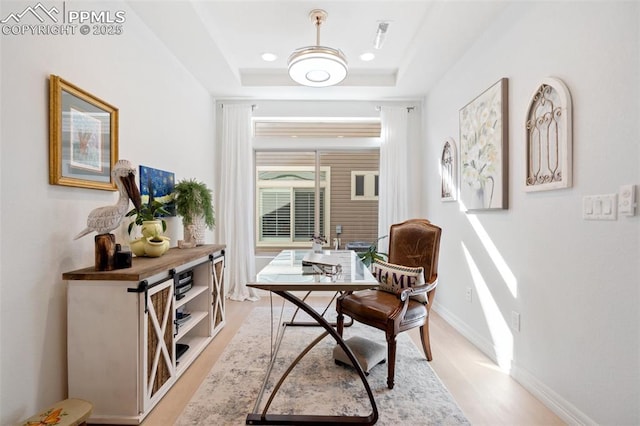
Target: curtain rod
{"points": [[409, 109], [253, 106]]}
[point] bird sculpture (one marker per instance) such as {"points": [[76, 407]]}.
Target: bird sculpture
{"points": [[105, 219]]}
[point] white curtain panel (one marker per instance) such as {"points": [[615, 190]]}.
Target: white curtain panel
{"points": [[394, 181], [236, 197]]}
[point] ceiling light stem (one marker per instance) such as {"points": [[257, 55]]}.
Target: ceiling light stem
{"points": [[318, 23]]}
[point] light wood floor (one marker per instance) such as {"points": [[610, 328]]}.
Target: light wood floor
{"points": [[487, 395]]}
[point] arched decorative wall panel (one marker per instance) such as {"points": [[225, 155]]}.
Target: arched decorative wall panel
{"points": [[548, 136], [449, 171]]}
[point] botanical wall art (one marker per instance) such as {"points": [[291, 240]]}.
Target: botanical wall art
{"points": [[448, 171], [83, 137], [484, 149], [158, 184], [548, 137]]}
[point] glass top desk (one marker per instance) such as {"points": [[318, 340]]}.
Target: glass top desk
{"points": [[336, 271]]}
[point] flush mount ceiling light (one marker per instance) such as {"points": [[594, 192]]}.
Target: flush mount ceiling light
{"points": [[317, 66]]}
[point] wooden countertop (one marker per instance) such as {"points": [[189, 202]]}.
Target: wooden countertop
{"points": [[144, 267]]}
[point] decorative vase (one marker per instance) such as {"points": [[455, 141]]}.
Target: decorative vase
{"points": [[196, 233], [137, 246], [156, 248], [151, 228], [478, 201], [316, 247]]}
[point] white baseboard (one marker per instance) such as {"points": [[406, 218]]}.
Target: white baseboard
{"points": [[561, 407], [461, 327]]}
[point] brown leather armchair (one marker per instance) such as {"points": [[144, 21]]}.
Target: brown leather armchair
{"points": [[415, 242]]}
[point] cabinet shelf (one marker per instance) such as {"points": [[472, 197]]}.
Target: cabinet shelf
{"points": [[188, 325], [196, 346], [195, 291]]}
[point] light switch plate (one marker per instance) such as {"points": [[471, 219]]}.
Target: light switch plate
{"points": [[600, 207], [627, 200]]}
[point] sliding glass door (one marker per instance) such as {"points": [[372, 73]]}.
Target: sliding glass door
{"points": [[303, 193]]}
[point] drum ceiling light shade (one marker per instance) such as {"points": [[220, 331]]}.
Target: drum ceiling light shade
{"points": [[317, 66]]}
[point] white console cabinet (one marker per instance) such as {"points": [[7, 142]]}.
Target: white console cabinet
{"points": [[128, 328]]}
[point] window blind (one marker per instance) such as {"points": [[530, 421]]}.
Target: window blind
{"points": [[275, 213], [318, 129], [304, 203]]}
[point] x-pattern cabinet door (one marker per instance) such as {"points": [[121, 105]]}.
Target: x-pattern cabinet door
{"points": [[158, 358], [218, 293]]}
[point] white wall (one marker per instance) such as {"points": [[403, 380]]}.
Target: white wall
{"points": [[166, 122], [577, 281]]}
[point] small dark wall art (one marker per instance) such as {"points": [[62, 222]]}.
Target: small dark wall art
{"points": [[160, 185]]}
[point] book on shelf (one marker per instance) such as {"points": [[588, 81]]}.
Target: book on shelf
{"points": [[181, 348], [183, 284], [182, 317]]}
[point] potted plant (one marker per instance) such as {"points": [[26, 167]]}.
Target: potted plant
{"points": [[372, 254], [152, 211], [194, 203], [317, 242]]}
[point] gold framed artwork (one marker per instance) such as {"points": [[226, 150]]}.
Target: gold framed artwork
{"points": [[484, 149], [83, 137]]}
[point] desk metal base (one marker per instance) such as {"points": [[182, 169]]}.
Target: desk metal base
{"points": [[284, 419], [294, 323], [298, 419]]}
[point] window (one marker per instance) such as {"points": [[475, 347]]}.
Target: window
{"points": [[286, 204], [364, 185]]}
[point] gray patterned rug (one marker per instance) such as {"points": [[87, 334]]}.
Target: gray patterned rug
{"points": [[317, 385]]}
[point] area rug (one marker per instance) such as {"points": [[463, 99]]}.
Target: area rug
{"points": [[317, 385]]}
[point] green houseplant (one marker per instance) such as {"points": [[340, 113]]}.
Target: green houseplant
{"points": [[152, 210], [372, 254], [150, 218], [194, 202]]}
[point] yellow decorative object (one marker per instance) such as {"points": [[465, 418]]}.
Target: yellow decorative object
{"points": [[153, 243], [137, 246], [156, 248], [151, 228]]}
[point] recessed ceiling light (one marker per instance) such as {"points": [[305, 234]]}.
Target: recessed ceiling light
{"points": [[368, 56], [269, 57]]}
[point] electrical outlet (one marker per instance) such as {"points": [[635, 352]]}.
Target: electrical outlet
{"points": [[468, 294], [515, 321], [338, 229]]}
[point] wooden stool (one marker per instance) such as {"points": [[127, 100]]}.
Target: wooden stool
{"points": [[70, 412]]}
